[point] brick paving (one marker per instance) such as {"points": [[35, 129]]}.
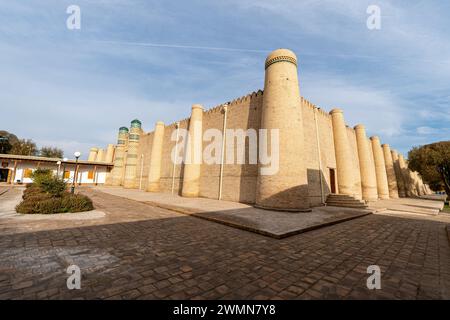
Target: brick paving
{"points": [[141, 252]]}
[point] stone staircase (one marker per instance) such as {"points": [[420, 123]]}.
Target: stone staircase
{"points": [[341, 200]]}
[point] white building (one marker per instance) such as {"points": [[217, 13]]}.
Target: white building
{"points": [[17, 169]]}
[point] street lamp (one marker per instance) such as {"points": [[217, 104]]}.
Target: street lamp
{"points": [[77, 155]]}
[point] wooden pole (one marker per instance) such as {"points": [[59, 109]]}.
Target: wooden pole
{"points": [[14, 172]]}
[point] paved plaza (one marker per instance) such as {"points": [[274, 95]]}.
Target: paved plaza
{"points": [[133, 250]]}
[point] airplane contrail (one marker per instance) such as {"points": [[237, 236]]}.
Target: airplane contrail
{"points": [[163, 45]]}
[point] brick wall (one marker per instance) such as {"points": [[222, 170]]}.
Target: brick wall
{"points": [[239, 180]]}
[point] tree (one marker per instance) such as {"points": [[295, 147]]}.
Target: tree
{"points": [[432, 161], [24, 147], [51, 152], [6, 141]]}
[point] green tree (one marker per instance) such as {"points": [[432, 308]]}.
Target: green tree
{"points": [[24, 147], [6, 141], [51, 152], [432, 161]]}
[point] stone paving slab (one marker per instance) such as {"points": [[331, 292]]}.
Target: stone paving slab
{"points": [[138, 251], [412, 205], [270, 223]]}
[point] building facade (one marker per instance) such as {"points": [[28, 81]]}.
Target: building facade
{"points": [[316, 153], [17, 169]]}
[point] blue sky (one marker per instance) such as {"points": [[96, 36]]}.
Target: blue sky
{"points": [[152, 59]]}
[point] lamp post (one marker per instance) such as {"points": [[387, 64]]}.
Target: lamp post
{"points": [[177, 126], [222, 155], [75, 173]]}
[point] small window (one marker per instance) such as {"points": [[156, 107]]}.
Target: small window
{"points": [[91, 175], [27, 173], [66, 174]]}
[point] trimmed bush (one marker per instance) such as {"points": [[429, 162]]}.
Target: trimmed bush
{"points": [[76, 203], [53, 186], [49, 196], [31, 191], [27, 207]]}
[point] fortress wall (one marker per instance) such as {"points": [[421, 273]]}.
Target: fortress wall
{"points": [[145, 147], [326, 143], [239, 180], [209, 176], [167, 164]]}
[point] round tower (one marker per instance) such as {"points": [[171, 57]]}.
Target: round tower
{"points": [[118, 169], [406, 175], [285, 186], [193, 156], [390, 171], [154, 174], [109, 153], [367, 167], [100, 155], [132, 154], [344, 163], [92, 154], [380, 168], [398, 174]]}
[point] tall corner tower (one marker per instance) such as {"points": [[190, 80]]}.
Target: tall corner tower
{"points": [[286, 186], [132, 155], [118, 169]]}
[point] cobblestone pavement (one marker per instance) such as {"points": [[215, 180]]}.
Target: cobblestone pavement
{"points": [[140, 252]]}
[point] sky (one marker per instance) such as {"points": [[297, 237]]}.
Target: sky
{"points": [[152, 60]]}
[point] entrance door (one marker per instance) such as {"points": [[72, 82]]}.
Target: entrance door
{"points": [[333, 180], [4, 175]]}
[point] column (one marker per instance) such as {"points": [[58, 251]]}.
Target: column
{"points": [[380, 168], [342, 151], [193, 156], [119, 168], [154, 174], [366, 165], [398, 174], [92, 154], [390, 172], [406, 176], [100, 155], [109, 153], [417, 183], [282, 185], [132, 155]]}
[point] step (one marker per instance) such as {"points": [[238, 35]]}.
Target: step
{"points": [[347, 205], [340, 196]]}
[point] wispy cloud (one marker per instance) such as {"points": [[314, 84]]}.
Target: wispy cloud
{"points": [[152, 59]]}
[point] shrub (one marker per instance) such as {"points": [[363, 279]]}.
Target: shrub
{"points": [[27, 207], [47, 194], [47, 182], [53, 186], [76, 203], [31, 191], [49, 206], [45, 203]]}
